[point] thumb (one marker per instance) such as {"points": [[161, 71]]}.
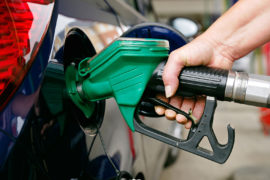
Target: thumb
{"points": [[197, 52], [172, 69]]}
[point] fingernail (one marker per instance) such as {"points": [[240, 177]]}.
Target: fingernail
{"points": [[168, 91], [181, 119], [159, 110], [170, 113]]}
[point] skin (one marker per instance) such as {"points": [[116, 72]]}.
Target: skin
{"points": [[244, 27]]}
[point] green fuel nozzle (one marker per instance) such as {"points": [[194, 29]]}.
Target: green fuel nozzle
{"points": [[122, 70], [128, 69]]}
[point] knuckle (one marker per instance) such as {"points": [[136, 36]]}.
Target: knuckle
{"points": [[174, 55], [166, 77]]}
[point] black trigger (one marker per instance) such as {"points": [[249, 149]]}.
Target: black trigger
{"points": [[146, 108]]}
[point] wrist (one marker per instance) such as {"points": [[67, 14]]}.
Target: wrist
{"points": [[221, 46]]}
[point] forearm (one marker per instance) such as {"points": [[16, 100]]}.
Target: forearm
{"points": [[242, 28]]}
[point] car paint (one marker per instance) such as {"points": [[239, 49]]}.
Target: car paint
{"points": [[14, 116]]}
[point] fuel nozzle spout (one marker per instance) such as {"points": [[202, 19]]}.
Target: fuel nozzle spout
{"points": [[248, 89]]}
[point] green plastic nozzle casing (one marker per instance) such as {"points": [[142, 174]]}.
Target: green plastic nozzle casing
{"points": [[122, 70]]}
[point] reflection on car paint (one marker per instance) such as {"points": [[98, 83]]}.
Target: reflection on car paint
{"points": [[29, 87]]}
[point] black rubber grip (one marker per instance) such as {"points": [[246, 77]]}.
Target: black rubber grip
{"points": [[194, 81], [203, 80]]}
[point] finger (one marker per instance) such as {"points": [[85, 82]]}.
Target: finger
{"points": [[175, 101], [188, 125], [160, 110], [171, 72], [199, 107], [170, 114], [179, 118], [187, 104], [162, 97]]}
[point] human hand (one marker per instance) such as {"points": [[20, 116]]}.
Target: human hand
{"points": [[201, 51], [230, 37]]}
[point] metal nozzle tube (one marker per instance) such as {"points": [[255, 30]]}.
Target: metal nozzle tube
{"points": [[247, 88]]}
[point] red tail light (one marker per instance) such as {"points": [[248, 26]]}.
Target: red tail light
{"points": [[23, 23]]}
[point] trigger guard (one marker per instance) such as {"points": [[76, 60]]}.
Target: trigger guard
{"points": [[220, 153]]}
